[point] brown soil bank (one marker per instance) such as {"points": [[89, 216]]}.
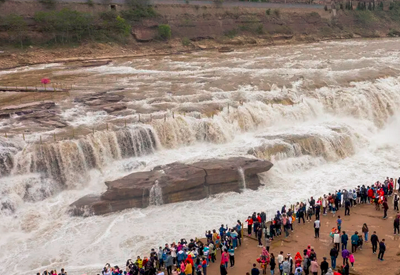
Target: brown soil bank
{"points": [[366, 263], [203, 27]]}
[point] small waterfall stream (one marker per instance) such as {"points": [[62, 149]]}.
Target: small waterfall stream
{"points": [[242, 179], [155, 196]]}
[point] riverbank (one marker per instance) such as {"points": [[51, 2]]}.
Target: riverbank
{"points": [[365, 261], [302, 236], [196, 28]]}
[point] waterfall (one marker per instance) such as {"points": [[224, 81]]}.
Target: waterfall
{"points": [[242, 179], [330, 143], [69, 161], [7, 151], [155, 196]]}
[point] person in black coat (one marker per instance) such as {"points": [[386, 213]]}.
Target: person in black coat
{"points": [[272, 262], [222, 270], [324, 266], [382, 249], [374, 242]]}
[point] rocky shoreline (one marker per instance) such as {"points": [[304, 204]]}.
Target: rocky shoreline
{"points": [[175, 182]]}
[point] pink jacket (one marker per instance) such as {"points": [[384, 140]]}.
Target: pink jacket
{"points": [[351, 258], [314, 266], [224, 258]]}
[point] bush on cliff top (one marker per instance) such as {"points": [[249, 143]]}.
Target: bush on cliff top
{"points": [[67, 26], [164, 31]]}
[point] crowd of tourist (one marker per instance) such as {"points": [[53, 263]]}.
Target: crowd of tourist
{"points": [[194, 257]]}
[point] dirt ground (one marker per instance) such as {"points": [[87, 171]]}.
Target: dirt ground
{"points": [[366, 262]]}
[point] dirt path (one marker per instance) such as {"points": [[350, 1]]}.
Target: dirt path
{"points": [[366, 263]]}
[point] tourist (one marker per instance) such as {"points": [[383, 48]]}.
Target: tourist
{"points": [[272, 264], [309, 214], [204, 265], [336, 240], [280, 260], [345, 255], [298, 259], [365, 232], [249, 225], [290, 260], [334, 254], [316, 228], [239, 229], [168, 263], [314, 267], [344, 240], [231, 252], [346, 268], [160, 258], [339, 224], [300, 214], [330, 272], [324, 266], [396, 224], [254, 270], [188, 267], [382, 249], [385, 208], [298, 271], [225, 258], [259, 236], [268, 242], [324, 204], [347, 205], [351, 259], [222, 270], [374, 242], [396, 202], [222, 231], [306, 264], [317, 210], [360, 242], [286, 266], [354, 242], [312, 204]]}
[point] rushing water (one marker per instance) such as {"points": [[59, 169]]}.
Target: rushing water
{"points": [[325, 114]]}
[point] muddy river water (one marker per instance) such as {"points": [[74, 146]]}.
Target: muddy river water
{"points": [[326, 114]]}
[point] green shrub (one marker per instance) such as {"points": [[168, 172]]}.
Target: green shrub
{"points": [[164, 31], [364, 17], [326, 8], [268, 12], [137, 3], [108, 15], [138, 13], [259, 29], [90, 3], [16, 27], [186, 41], [231, 33], [121, 26], [277, 13], [394, 33], [49, 4]]}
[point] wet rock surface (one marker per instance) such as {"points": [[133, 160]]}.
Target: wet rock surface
{"points": [[103, 101], [176, 182], [44, 113]]}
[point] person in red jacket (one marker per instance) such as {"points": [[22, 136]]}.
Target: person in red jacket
{"points": [[249, 225]]}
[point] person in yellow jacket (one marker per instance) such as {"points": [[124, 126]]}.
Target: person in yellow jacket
{"points": [[139, 262], [188, 268]]}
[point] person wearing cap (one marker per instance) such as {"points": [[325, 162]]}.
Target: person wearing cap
{"points": [[324, 266]]}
